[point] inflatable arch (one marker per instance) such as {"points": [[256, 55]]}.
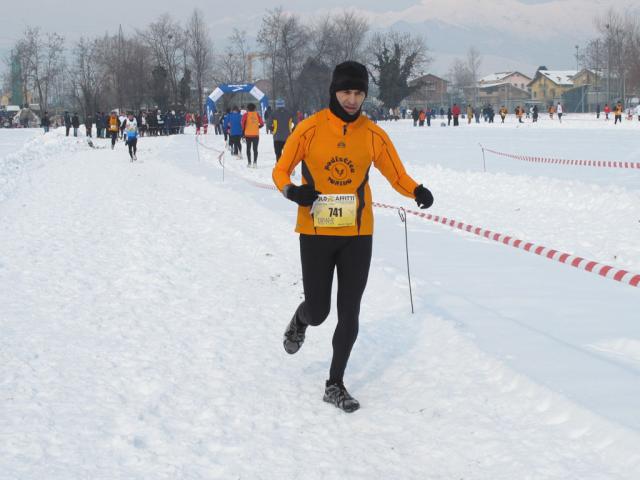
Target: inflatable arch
{"points": [[220, 90]]}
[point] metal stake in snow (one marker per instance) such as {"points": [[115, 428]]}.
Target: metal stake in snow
{"points": [[484, 165], [221, 160], [403, 218]]}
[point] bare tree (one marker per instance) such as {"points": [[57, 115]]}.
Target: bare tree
{"points": [[199, 48], [335, 39], [291, 57], [473, 65], [20, 68], [165, 40], [619, 51], [459, 74], [284, 42], [322, 41], [41, 61], [464, 74], [228, 68], [126, 65], [350, 33], [86, 77], [632, 58], [239, 48], [269, 39]]}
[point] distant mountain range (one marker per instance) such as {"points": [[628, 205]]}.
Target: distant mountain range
{"points": [[501, 49], [509, 34]]}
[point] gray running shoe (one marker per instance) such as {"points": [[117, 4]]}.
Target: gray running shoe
{"points": [[294, 335], [337, 394]]}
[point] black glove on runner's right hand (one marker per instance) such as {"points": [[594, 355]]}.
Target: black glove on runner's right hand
{"points": [[303, 195], [424, 198]]}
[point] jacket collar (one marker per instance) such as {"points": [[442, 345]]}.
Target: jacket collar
{"points": [[339, 124]]}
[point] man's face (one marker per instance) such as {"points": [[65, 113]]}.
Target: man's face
{"points": [[350, 100]]}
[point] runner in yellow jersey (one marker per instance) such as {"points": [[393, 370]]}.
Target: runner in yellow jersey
{"points": [[336, 148]]}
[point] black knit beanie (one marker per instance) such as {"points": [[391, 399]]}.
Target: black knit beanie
{"points": [[350, 76], [347, 76]]}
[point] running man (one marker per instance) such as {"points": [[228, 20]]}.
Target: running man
{"points": [[337, 147], [251, 125], [114, 128], [131, 131], [281, 123]]}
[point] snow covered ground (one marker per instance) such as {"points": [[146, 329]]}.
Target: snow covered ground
{"points": [[142, 308]]}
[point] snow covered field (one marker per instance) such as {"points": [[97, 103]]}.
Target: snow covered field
{"points": [[142, 308]]}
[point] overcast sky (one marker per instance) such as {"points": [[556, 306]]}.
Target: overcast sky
{"points": [[532, 21]]}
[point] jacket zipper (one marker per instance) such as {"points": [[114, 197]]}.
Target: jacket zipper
{"points": [[344, 129]]}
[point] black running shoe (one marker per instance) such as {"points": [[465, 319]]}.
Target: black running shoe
{"points": [[294, 335], [337, 394]]}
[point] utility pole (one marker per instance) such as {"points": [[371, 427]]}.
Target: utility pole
{"points": [[577, 58], [597, 61], [608, 64]]}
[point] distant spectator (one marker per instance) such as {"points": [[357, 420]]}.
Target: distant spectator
{"points": [[503, 113], [67, 123], [455, 112], [281, 126], [88, 124], [45, 122], [618, 113], [559, 111], [75, 123]]}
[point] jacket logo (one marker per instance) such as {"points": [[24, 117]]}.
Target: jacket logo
{"points": [[340, 170], [341, 144]]}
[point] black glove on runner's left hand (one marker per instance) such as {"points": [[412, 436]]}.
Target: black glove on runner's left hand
{"points": [[424, 198]]}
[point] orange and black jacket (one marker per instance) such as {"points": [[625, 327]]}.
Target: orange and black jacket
{"points": [[336, 158], [114, 123], [251, 124]]}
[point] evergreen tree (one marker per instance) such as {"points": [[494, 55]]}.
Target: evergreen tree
{"points": [[397, 58], [184, 89], [159, 87]]}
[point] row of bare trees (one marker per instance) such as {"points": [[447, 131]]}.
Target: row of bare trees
{"points": [[615, 54], [464, 76], [37, 65], [299, 57], [165, 65], [170, 65]]}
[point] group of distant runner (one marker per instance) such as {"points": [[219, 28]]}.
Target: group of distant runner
{"points": [[453, 114], [238, 124]]}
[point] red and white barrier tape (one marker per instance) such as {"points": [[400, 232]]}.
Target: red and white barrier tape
{"points": [[606, 271], [580, 263], [562, 161]]}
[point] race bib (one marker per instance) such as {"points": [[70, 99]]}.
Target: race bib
{"points": [[334, 211]]}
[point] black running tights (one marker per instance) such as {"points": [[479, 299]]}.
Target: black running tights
{"points": [[278, 145], [321, 255], [252, 143], [236, 146], [133, 146]]}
